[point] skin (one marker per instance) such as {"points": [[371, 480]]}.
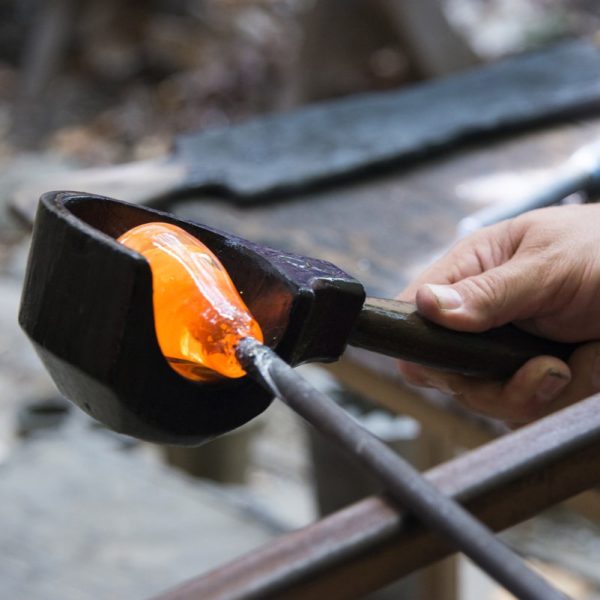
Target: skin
{"points": [[540, 271]]}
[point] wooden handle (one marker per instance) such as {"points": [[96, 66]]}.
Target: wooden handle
{"points": [[396, 329]]}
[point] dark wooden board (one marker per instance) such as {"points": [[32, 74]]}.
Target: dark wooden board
{"points": [[331, 141]]}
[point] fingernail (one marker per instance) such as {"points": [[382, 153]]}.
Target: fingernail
{"points": [[446, 297], [551, 385]]}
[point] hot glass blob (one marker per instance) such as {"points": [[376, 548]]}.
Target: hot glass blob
{"points": [[199, 314]]}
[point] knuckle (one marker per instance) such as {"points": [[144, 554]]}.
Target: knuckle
{"points": [[488, 294]]}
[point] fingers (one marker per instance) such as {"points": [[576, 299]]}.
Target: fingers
{"points": [[481, 251], [585, 376], [543, 385], [528, 395], [501, 295], [579, 380], [484, 281], [532, 271]]}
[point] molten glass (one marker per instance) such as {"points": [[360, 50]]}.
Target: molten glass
{"points": [[199, 315]]}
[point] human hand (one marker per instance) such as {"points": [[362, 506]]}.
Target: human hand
{"points": [[540, 271]]}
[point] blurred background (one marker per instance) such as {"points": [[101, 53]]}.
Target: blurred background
{"points": [[105, 82], [90, 514]]}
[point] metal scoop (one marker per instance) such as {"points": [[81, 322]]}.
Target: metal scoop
{"points": [[87, 307]]}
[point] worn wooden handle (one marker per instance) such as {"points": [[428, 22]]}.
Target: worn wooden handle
{"points": [[396, 329]]}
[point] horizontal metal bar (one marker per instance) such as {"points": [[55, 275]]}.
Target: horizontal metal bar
{"points": [[371, 543]]}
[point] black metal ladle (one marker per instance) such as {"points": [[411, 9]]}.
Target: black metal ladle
{"points": [[87, 308]]}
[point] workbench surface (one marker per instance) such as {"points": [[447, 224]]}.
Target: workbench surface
{"points": [[385, 227]]}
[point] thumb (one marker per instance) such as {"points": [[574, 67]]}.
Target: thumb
{"points": [[503, 294]]}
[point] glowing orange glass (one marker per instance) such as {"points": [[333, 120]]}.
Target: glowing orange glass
{"points": [[199, 315]]}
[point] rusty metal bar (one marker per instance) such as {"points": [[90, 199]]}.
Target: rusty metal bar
{"points": [[371, 543]]}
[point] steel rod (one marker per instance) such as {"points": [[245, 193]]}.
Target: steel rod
{"points": [[369, 544], [404, 483]]}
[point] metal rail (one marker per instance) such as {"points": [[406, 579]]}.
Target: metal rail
{"points": [[371, 543]]}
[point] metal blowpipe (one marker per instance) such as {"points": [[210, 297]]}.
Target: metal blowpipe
{"points": [[403, 482]]}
